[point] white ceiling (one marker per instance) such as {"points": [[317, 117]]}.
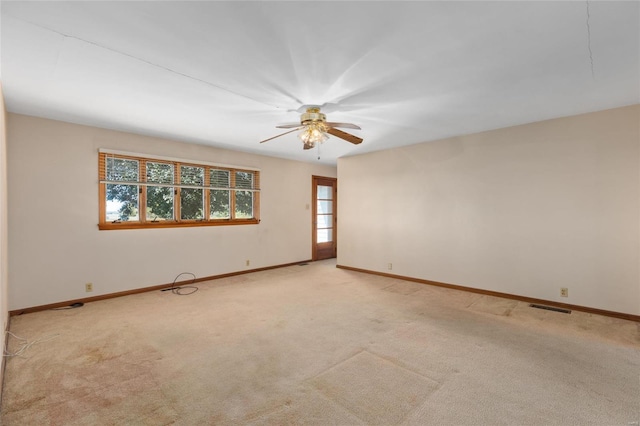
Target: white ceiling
{"points": [[225, 73]]}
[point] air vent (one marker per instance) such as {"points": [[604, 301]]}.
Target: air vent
{"points": [[550, 308]]}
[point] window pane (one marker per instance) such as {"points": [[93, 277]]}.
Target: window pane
{"points": [[122, 169], [219, 204], [191, 200], [191, 203], [325, 192], [244, 180], [122, 202], [159, 203], [159, 198], [191, 175], [159, 172], [244, 204], [324, 221], [325, 207], [219, 178], [324, 235]]}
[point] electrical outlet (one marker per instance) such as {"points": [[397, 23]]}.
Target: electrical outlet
{"points": [[88, 287], [564, 292], [389, 266], [248, 262]]}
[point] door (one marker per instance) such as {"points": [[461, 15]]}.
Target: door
{"points": [[325, 191]]}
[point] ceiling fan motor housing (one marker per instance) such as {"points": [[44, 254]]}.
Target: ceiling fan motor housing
{"points": [[313, 115]]}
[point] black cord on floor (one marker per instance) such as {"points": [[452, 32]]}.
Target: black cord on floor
{"points": [[72, 306], [177, 290]]}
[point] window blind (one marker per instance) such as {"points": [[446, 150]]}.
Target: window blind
{"points": [[121, 170]]}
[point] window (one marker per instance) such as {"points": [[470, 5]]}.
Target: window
{"points": [[244, 199], [137, 192], [219, 199], [159, 195], [192, 199]]}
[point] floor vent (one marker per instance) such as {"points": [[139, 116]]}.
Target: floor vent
{"points": [[550, 308], [302, 264]]}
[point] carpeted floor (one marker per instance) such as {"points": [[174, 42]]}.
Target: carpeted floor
{"points": [[319, 345]]}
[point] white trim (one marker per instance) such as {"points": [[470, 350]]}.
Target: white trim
{"points": [[180, 160]]}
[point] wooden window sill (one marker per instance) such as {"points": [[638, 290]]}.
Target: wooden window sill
{"points": [[171, 224]]}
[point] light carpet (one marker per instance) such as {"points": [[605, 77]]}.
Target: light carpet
{"points": [[319, 345]]}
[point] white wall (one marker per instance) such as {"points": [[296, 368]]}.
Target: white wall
{"points": [[55, 243], [524, 210]]}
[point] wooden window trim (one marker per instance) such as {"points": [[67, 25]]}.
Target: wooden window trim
{"points": [[172, 224], [176, 222]]}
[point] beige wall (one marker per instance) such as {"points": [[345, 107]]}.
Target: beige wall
{"points": [[4, 276], [54, 241], [524, 210]]}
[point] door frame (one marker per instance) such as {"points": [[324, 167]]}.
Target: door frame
{"points": [[314, 213]]}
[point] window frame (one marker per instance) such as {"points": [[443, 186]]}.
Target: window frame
{"points": [[145, 222]]}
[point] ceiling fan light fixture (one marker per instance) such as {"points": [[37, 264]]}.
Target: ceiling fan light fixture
{"points": [[313, 134]]}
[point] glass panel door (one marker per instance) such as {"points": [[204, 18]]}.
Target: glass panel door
{"points": [[324, 214], [324, 217]]}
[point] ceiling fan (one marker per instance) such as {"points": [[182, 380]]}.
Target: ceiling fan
{"points": [[315, 127]]}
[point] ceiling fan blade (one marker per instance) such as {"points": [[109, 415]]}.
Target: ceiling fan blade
{"points": [[344, 135], [282, 134], [287, 125], [344, 125]]}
